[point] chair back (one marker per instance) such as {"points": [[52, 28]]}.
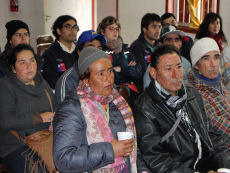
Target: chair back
{"points": [[44, 39], [124, 93], [42, 47]]}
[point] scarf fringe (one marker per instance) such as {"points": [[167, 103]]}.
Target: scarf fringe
{"points": [[33, 165]]}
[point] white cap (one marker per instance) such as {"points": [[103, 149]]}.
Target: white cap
{"points": [[201, 47]]}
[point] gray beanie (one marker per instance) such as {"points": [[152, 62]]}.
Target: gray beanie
{"points": [[201, 47], [88, 56]]}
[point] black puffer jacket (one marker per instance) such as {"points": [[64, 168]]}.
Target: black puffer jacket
{"points": [[177, 154], [122, 59]]}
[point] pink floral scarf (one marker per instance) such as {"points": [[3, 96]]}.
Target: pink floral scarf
{"points": [[97, 128]]}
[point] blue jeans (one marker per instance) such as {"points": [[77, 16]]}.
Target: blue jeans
{"points": [[15, 162]]}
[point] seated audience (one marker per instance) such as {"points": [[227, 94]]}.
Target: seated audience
{"points": [[63, 53], [87, 122], [225, 66], [170, 35], [24, 108], [206, 78], [212, 27], [70, 79], [146, 43], [187, 42], [17, 33], [174, 133], [126, 67]]}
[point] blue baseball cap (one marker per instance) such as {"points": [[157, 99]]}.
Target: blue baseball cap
{"points": [[88, 36]]}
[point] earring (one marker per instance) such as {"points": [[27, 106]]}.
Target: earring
{"points": [[87, 86]]}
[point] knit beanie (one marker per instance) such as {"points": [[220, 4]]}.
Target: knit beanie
{"points": [[88, 56], [201, 47], [14, 25]]}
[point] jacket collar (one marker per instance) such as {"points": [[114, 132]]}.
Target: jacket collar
{"points": [[143, 41], [155, 96], [199, 84]]}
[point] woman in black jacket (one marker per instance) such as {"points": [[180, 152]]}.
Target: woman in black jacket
{"points": [[24, 107], [125, 66]]}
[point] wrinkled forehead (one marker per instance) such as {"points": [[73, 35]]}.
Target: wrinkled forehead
{"points": [[169, 59]]}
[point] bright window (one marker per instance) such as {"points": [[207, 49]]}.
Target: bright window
{"points": [[181, 10]]}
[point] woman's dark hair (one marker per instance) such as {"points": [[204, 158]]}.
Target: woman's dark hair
{"points": [[147, 19], [160, 51], [59, 23], [203, 29], [109, 20], [86, 75], [11, 58]]}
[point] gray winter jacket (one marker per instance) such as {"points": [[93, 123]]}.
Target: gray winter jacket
{"points": [[68, 81], [71, 150]]}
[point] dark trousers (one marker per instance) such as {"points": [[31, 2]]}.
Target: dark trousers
{"points": [[15, 162]]}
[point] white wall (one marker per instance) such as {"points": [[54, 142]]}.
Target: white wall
{"points": [[30, 11], [81, 10], [130, 13], [105, 8], [224, 13]]}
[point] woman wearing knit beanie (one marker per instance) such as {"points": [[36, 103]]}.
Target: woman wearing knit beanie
{"points": [[126, 68]]}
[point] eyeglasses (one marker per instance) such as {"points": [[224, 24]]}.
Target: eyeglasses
{"points": [[69, 27], [112, 28]]}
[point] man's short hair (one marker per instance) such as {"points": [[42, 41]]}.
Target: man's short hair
{"points": [[59, 23], [147, 19], [160, 51], [166, 16]]}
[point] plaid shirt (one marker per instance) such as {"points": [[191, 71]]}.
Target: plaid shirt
{"points": [[216, 104]]}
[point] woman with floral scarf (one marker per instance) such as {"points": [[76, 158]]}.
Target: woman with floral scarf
{"points": [[86, 123], [126, 68], [212, 27]]}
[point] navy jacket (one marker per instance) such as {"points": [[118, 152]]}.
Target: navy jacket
{"points": [[143, 54], [56, 63], [122, 59]]}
